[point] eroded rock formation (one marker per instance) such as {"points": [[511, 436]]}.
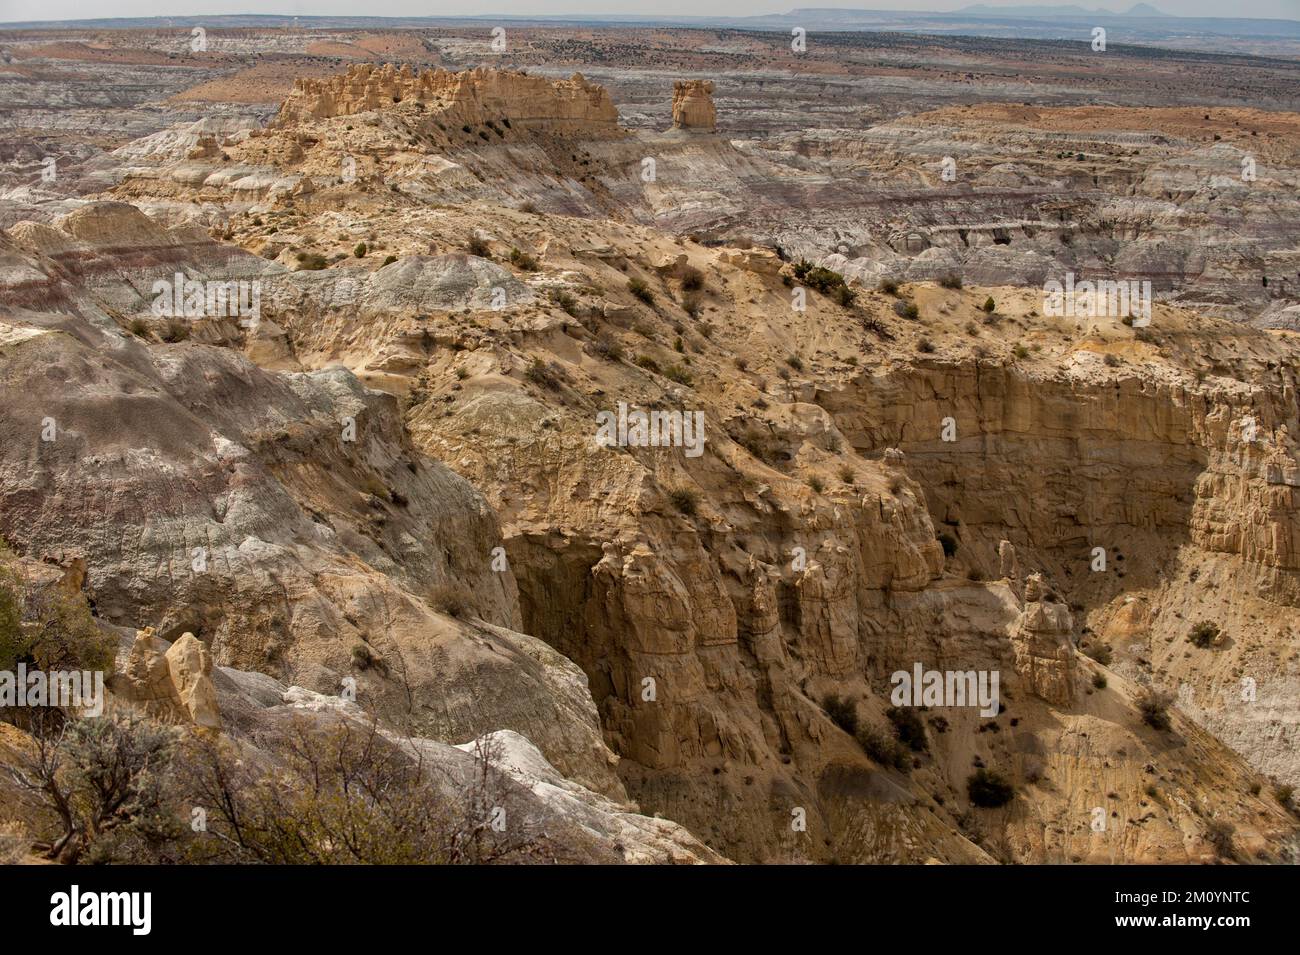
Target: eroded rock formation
{"points": [[472, 96], [693, 105]]}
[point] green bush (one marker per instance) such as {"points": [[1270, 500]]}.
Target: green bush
{"points": [[360, 250], [826, 281], [1204, 634], [523, 261], [48, 630], [952, 281], [679, 374]]}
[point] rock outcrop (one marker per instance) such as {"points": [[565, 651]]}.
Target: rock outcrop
{"points": [[473, 96], [1042, 638], [171, 682], [693, 106]]}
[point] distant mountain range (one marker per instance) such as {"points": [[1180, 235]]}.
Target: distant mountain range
{"points": [[1140, 25], [1068, 10]]}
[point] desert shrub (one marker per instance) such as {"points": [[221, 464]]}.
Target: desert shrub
{"points": [[311, 261], [646, 362], [816, 483], [925, 346], [360, 250], [1204, 634], [608, 347], [692, 279], [1112, 361], [1154, 707], [907, 310], [1020, 351], [952, 280], [389, 260], [1284, 794], [884, 749], [990, 306], [816, 277], [888, 286], [138, 327], [795, 362], [1099, 681], [988, 789], [349, 794], [49, 630], [908, 727], [175, 330], [679, 374], [843, 712], [1219, 835], [641, 290], [477, 245], [565, 300], [102, 783], [847, 475], [529, 207], [1100, 652], [685, 499], [544, 374], [523, 261], [14, 843], [452, 598], [760, 442], [364, 657]]}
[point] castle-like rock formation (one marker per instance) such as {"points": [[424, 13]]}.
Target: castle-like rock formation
{"points": [[693, 105], [472, 96]]}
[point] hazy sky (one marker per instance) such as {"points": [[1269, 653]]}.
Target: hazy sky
{"points": [[17, 10]]}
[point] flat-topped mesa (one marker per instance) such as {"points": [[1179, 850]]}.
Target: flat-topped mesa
{"points": [[472, 96], [693, 105]]}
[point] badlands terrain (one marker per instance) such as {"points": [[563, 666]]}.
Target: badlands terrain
{"points": [[378, 513]]}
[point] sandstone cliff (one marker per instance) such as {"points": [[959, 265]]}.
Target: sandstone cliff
{"points": [[472, 96]]}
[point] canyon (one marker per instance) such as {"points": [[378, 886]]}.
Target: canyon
{"points": [[388, 478]]}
